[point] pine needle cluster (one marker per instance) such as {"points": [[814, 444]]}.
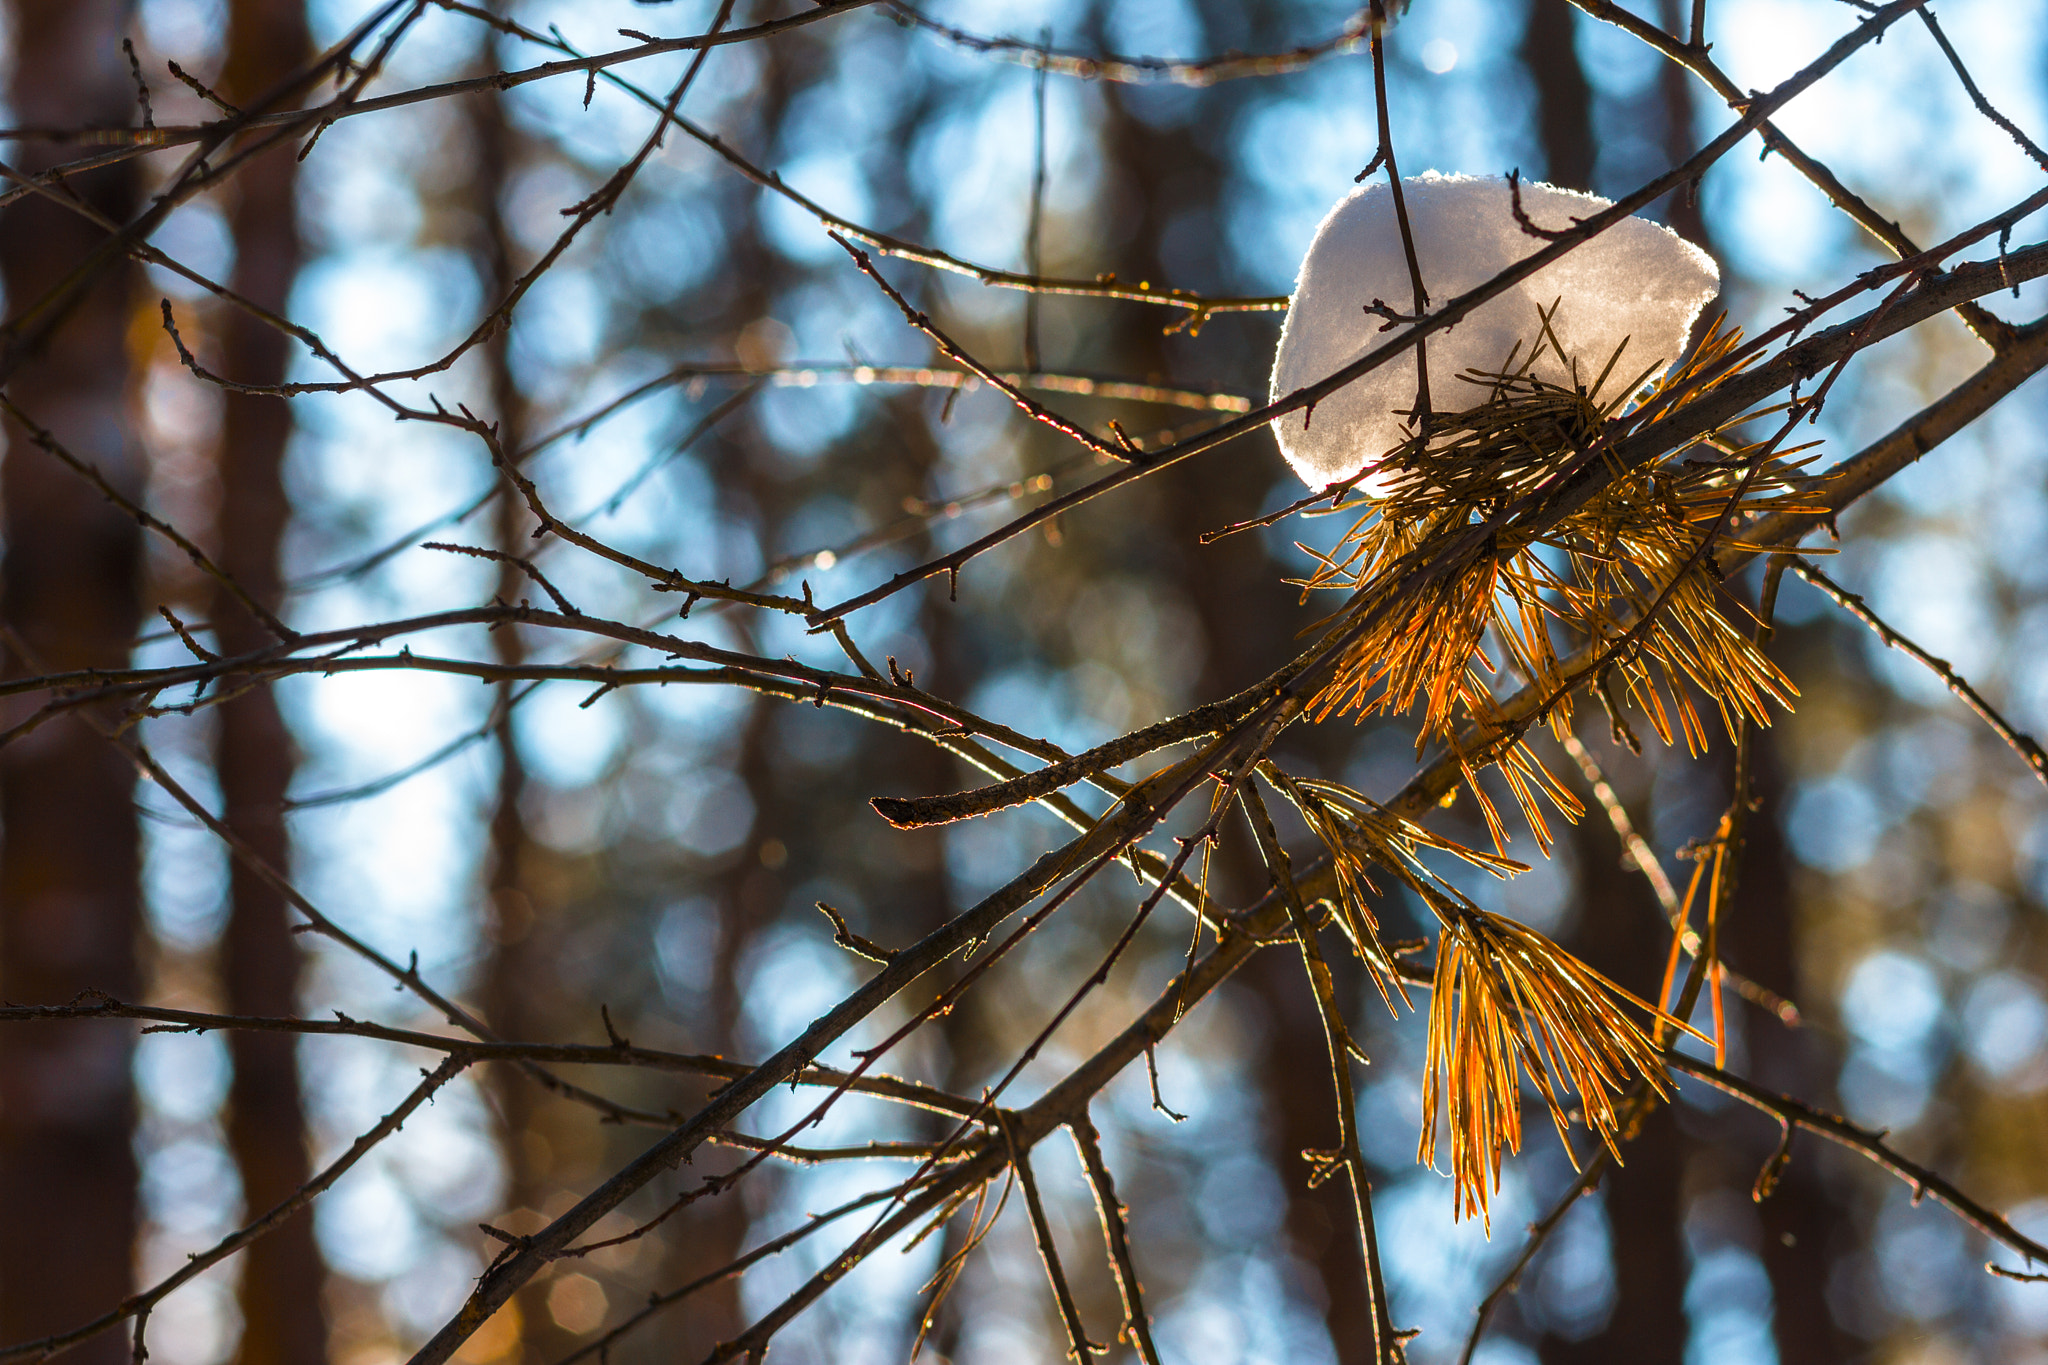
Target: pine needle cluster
{"points": [[1511, 533], [1529, 568], [1506, 1001]]}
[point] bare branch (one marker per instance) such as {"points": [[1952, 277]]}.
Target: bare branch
{"points": [[2022, 744]]}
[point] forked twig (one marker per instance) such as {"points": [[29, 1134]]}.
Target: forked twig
{"points": [[1116, 1237], [1079, 1348]]}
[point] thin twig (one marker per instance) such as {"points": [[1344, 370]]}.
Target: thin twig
{"points": [[1386, 1343], [1935, 293], [90, 472], [2018, 741], [1078, 1346], [1694, 57], [1109, 66], [1030, 407], [198, 1262], [1644, 859], [1116, 1237], [95, 1005], [1926, 1183], [1984, 106]]}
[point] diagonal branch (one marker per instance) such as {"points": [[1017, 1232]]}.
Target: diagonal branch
{"points": [[2023, 744], [140, 1305], [1926, 1183], [1116, 1236]]}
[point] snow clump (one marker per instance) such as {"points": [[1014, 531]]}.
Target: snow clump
{"points": [[1637, 280]]}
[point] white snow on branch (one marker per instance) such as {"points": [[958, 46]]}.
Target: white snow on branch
{"points": [[1637, 281]]}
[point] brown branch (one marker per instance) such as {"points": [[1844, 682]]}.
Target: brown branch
{"points": [[35, 320], [804, 374], [136, 141], [198, 1262], [1539, 1234], [1078, 1346], [525, 566], [919, 812], [1148, 801], [2023, 744], [407, 977], [96, 1005], [1984, 106], [1935, 293], [581, 214], [1115, 832], [1108, 66], [1386, 158], [1694, 57], [1847, 482], [1386, 1343], [739, 1265], [1136, 1040], [1925, 1182], [1030, 407], [1106, 286], [811, 1156], [90, 472], [663, 579], [1116, 1237], [1639, 855], [930, 717]]}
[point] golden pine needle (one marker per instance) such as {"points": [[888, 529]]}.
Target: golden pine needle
{"points": [[1624, 573], [1359, 834], [1508, 1002]]}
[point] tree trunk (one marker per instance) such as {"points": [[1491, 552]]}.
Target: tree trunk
{"points": [[520, 998], [1168, 169], [282, 1275], [1618, 929], [1619, 933], [70, 900], [1564, 98], [1799, 1214], [1675, 94]]}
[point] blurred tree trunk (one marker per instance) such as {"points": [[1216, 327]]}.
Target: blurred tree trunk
{"points": [[70, 901], [1619, 932], [1675, 94], [1302, 1116], [1564, 97], [1617, 929], [1169, 170], [1798, 1216], [282, 1318], [743, 890], [520, 997]]}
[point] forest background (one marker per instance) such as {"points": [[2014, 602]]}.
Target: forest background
{"points": [[706, 381]]}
